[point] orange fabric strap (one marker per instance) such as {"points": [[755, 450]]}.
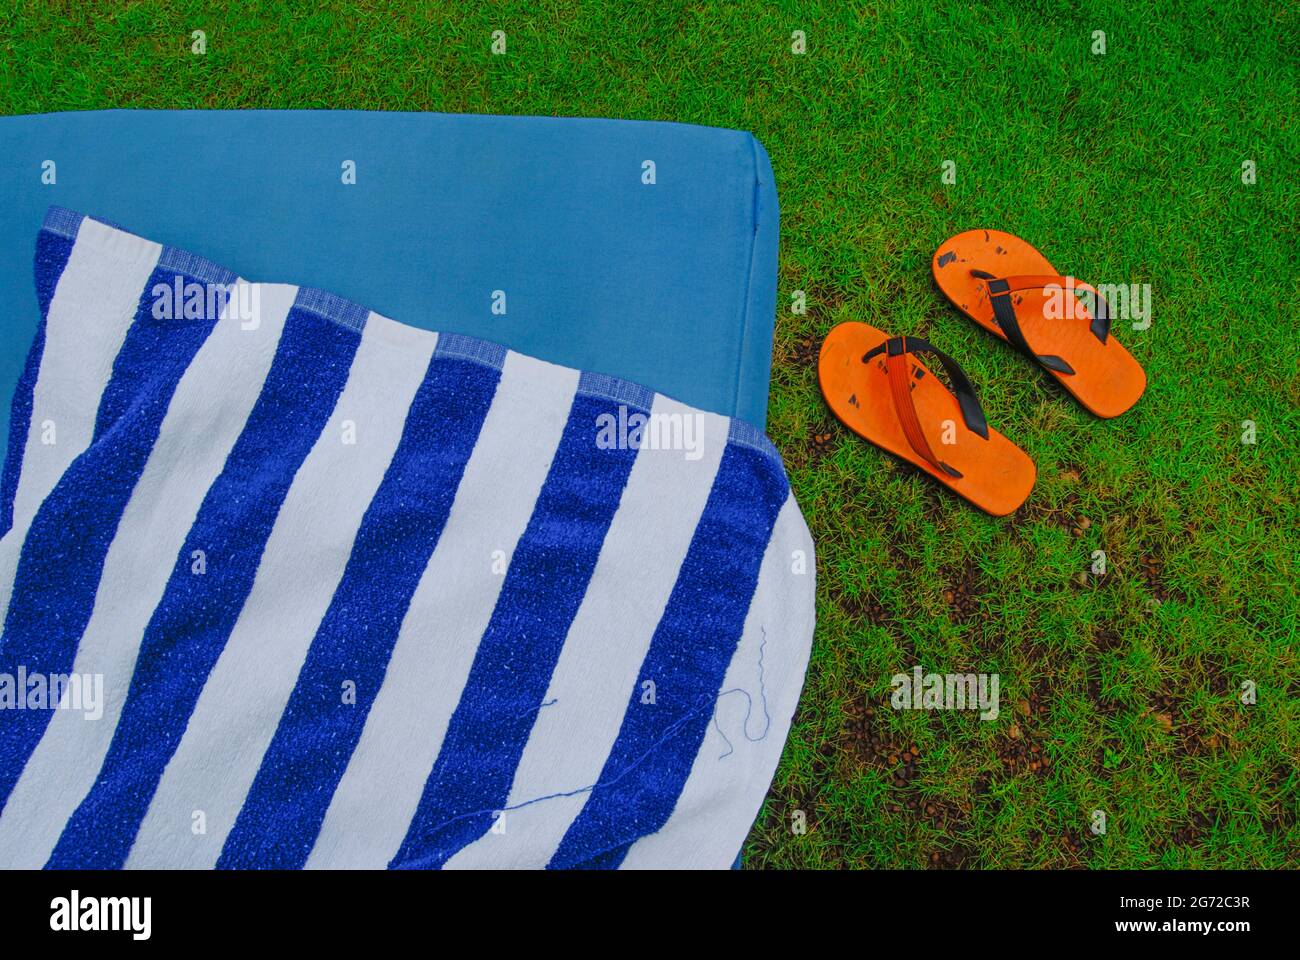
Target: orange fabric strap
{"points": [[900, 386]]}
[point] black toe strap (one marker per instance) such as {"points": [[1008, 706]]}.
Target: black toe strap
{"points": [[962, 388], [1100, 311], [1004, 313]]}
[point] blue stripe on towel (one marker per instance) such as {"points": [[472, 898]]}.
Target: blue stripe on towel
{"points": [[192, 622], [687, 661], [318, 731], [52, 251], [63, 555], [545, 583]]}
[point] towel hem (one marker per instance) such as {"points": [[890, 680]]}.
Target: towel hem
{"points": [[333, 308]]}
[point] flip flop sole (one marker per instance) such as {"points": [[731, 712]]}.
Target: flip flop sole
{"points": [[1107, 380], [996, 475]]}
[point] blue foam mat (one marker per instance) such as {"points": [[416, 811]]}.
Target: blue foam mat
{"points": [[671, 284]]}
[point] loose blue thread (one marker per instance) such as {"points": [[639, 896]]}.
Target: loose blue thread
{"points": [[496, 811], [536, 709], [749, 708], [672, 731]]}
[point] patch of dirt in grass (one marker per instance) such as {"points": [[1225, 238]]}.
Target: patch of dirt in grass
{"points": [[805, 352], [1035, 653], [871, 744], [1071, 844], [1034, 707], [1020, 749], [1107, 639], [1074, 844], [1067, 104], [1165, 710], [1281, 774], [901, 561], [1152, 570], [1285, 818], [1216, 673], [962, 594], [1064, 515], [1105, 705], [1196, 740], [780, 813], [1023, 755], [950, 820], [944, 817], [1191, 738], [864, 608], [897, 758], [1078, 522], [957, 857], [1192, 832], [822, 439]]}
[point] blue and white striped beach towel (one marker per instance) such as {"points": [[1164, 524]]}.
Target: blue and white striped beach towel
{"points": [[289, 584]]}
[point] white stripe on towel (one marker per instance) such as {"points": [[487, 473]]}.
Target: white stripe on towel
{"points": [[206, 414], [449, 611], [241, 703], [92, 308], [598, 667], [718, 803]]}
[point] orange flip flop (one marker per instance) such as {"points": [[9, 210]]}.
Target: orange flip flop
{"points": [[1012, 291], [879, 389]]}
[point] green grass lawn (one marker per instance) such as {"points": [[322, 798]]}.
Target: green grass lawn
{"points": [[1120, 693]]}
